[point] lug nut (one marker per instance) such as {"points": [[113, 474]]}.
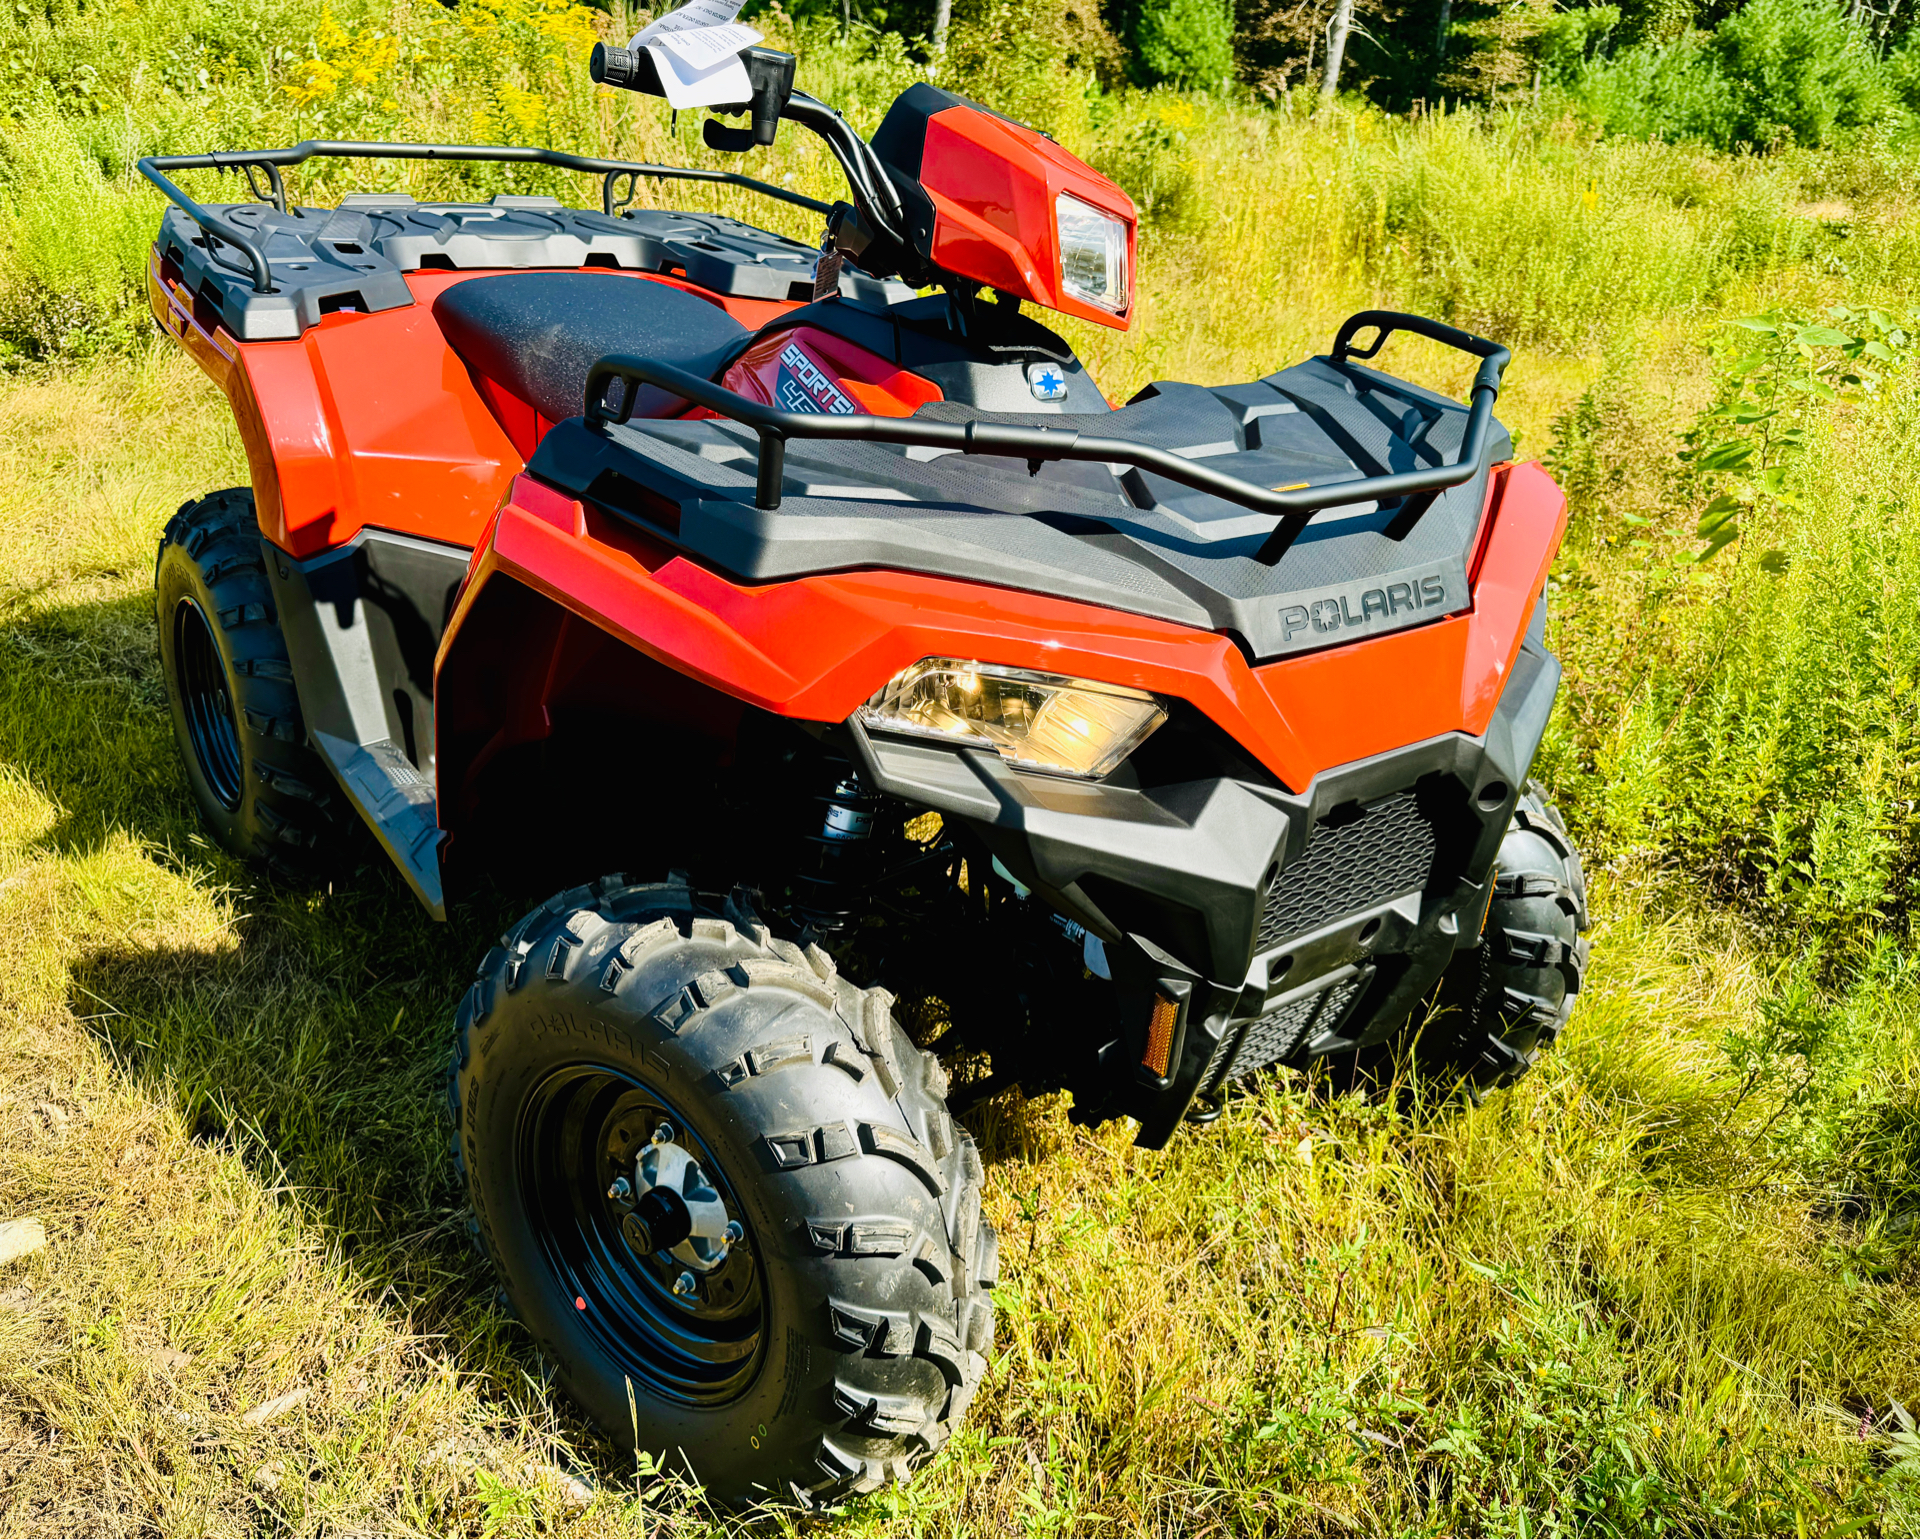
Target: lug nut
{"points": [[664, 1134], [734, 1232], [620, 1192], [684, 1284]]}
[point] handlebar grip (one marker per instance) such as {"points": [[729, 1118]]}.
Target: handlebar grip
{"points": [[631, 69]]}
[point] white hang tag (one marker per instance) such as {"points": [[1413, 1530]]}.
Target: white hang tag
{"points": [[723, 85], [695, 49], [704, 47]]}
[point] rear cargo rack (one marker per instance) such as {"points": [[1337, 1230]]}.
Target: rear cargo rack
{"points": [[1295, 506], [250, 162]]}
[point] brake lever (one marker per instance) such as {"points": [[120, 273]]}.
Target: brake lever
{"points": [[716, 135]]}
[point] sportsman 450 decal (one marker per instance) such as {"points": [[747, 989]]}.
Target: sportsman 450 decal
{"points": [[804, 386]]}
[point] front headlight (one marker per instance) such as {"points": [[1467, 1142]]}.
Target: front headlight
{"points": [[1093, 253], [1037, 721]]}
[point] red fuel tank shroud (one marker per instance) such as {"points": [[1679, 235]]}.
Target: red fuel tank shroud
{"points": [[817, 647], [993, 184]]}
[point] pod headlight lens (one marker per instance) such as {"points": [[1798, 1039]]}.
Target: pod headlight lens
{"points": [[1093, 253], [1037, 721]]}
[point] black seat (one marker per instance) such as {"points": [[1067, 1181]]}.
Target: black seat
{"points": [[537, 334]]}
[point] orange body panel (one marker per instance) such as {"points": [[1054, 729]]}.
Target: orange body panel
{"points": [[371, 419], [1372, 696], [815, 648], [993, 184]]}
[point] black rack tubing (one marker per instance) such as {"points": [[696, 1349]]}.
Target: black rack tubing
{"points": [[1293, 506], [1494, 358], [153, 167]]}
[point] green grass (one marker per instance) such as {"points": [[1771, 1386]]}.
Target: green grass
{"points": [[1668, 1284]]}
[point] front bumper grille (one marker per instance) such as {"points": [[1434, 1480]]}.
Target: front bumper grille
{"points": [[1275, 1036], [1387, 850]]}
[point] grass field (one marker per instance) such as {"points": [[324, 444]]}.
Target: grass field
{"points": [[1667, 1284]]}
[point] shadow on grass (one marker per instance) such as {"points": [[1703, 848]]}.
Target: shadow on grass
{"points": [[312, 1032]]}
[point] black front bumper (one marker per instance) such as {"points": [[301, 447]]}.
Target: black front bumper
{"points": [[1287, 924]]}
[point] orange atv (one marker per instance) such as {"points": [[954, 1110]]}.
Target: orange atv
{"points": [[1137, 748]]}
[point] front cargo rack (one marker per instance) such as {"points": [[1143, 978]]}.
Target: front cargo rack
{"points": [[611, 395], [254, 164]]}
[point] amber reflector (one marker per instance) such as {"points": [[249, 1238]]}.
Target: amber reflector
{"points": [[1160, 1035], [1487, 904]]}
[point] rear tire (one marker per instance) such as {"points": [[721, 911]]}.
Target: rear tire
{"points": [[263, 793], [1499, 1006], [839, 1341]]}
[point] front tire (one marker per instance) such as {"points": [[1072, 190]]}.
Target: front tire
{"points": [[1501, 1004], [1504, 1003], [837, 1344]]}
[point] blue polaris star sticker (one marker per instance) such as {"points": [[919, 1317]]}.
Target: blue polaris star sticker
{"points": [[1047, 381]]}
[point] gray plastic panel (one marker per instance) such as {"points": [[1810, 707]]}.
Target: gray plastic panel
{"points": [[397, 802], [352, 257]]}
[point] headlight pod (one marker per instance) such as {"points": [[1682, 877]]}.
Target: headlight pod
{"points": [[1093, 253], [1036, 721]]}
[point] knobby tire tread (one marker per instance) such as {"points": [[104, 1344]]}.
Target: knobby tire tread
{"points": [[291, 815], [646, 954]]}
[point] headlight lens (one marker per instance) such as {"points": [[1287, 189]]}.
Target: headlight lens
{"points": [[1037, 721], [1093, 253]]}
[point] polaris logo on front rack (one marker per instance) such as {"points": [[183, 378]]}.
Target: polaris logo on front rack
{"points": [[1364, 608], [803, 386]]}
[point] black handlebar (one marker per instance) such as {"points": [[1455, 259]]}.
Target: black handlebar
{"points": [[153, 167], [770, 82], [1294, 506]]}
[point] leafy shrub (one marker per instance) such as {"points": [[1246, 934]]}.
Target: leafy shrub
{"points": [[1741, 452], [1747, 725], [1180, 42], [1040, 63], [1774, 72], [1149, 154], [1739, 679], [1803, 71], [1572, 37], [73, 241]]}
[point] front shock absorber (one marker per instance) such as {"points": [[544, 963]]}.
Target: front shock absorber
{"points": [[835, 872]]}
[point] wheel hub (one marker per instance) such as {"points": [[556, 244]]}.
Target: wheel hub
{"points": [[675, 1209], [206, 703]]}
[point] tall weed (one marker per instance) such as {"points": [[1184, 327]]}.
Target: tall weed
{"points": [[73, 239], [1748, 727], [1274, 220]]}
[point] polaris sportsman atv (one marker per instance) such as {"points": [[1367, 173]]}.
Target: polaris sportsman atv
{"points": [[1121, 750]]}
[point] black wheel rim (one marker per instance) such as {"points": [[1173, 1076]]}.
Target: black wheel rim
{"points": [[583, 1127], [207, 703]]}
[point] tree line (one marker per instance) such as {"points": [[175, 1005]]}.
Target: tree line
{"points": [[1732, 72]]}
